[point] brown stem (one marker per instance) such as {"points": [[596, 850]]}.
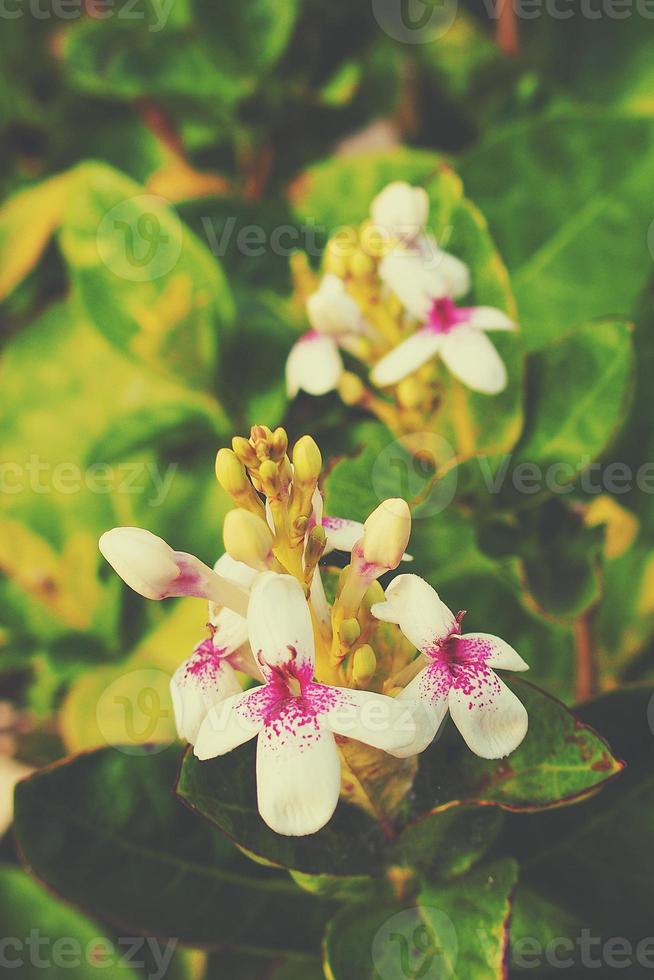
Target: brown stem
{"points": [[586, 681], [506, 32]]}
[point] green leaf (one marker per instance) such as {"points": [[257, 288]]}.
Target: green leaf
{"points": [[458, 929], [560, 761], [558, 236], [27, 221], [579, 389], [104, 830], [147, 283], [224, 791], [603, 840], [47, 939]]}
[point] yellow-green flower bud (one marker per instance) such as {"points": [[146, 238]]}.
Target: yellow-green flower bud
{"points": [[307, 460], [349, 632], [248, 538], [244, 451], [364, 665], [351, 388], [386, 533]]}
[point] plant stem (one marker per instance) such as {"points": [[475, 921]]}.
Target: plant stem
{"points": [[586, 667], [506, 32]]}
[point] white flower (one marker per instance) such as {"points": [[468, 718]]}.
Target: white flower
{"points": [[314, 364], [295, 718], [423, 272], [150, 566], [457, 334], [459, 674], [401, 210], [209, 674]]}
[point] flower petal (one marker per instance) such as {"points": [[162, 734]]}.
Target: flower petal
{"points": [[400, 209], [342, 534], [200, 682], [298, 778], [428, 695], [490, 650], [314, 365], [488, 318], [406, 358], [417, 609], [318, 599], [279, 623], [231, 722], [471, 357], [452, 271], [491, 719], [414, 278], [375, 719], [331, 310]]}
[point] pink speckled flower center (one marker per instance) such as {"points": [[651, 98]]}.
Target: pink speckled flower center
{"points": [[459, 663], [205, 660], [290, 702], [444, 315]]}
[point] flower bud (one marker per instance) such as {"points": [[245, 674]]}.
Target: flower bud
{"points": [[401, 209], [361, 264], [279, 444], [349, 632], [307, 460], [233, 478], [315, 546], [231, 472], [364, 665], [150, 566], [351, 388], [386, 533], [374, 593], [248, 538], [244, 451], [269, 476]]}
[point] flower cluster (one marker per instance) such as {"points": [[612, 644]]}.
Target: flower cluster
{"points": [[368, 669], [390, 299]]}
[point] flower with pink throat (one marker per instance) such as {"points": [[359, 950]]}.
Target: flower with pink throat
{"points": [[296, 719], [458, 673]]}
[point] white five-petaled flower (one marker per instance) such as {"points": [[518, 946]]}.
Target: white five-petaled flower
{"points": [[209, 674], [314, 363], [151, 567], [296, 718], [459, 674], [427, 280]]}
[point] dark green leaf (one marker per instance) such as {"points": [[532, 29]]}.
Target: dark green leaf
{"points": [[458, 929], [224, 791], [106, 832]]}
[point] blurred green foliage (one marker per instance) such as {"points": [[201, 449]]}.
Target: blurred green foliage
{"points": [[151, 152]]}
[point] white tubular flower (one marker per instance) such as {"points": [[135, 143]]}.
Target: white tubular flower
{"points": [[385, 537], [459, 675], [401, 210], [457, 335], [150, 566], [314, 363], [295, 718], [342, 534], [209, 674]]}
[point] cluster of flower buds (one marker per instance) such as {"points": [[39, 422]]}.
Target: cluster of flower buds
{"points": [[370, 669], [388, 296]]}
